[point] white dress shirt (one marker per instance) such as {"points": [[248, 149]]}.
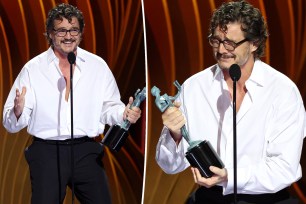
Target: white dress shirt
{"points": [[270, 125], [96, 98]]}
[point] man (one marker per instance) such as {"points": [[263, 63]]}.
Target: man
{"points": [[270, 116], [43, 104]]}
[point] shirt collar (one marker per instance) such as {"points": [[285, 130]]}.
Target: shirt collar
{"points": [[257, 75], [217, 73], [80, 58], [50, 55]]}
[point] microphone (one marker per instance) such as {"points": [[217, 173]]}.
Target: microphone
{"points": [[71, 57], [235, 72]]}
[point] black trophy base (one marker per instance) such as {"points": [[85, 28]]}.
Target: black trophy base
{"points": [[202, 156], [115, 137]]}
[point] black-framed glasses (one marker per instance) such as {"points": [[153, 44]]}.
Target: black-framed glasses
{"points": [[63, 32], [228, 44]]}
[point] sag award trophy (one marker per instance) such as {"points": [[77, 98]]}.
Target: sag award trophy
{"points": [[200, 154], [117, 134]]}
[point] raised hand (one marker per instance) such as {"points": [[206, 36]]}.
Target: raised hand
{"points": [[19, 102]]}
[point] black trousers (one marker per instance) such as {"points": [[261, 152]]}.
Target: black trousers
{"points": [[214, 196], [50, 171]]}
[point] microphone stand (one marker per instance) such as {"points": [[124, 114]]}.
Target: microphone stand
{"points": [[235, 140], [235, 74], [71, 59]]}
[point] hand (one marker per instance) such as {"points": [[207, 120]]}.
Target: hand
{"points": [[220, 176], [19, 102], [174, 120], [133, 114]]}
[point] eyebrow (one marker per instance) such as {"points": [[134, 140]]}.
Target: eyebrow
{"points": [[225, 38], [63, 28]]}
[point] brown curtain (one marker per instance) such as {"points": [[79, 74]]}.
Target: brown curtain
{"points": [[176, 33], [114, 31]]}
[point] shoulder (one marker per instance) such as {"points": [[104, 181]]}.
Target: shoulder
{"points": [[89, 57], [205, 76], [274, 77], [92, 62], [36, 63], [277, 84], [41, 58]]}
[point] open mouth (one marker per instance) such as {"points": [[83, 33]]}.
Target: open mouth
{"points": [[68, 42]]}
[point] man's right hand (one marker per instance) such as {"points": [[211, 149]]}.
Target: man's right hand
{"points": [[174, 120], [19, 102]]}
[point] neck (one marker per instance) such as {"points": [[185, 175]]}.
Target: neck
{"points": [[63, 61], [246, 71]]}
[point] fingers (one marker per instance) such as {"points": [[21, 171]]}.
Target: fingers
{"points": [[17, 93], [19, 101], [16, 100], [173, 119], [24, 91], [207, 182], [130, 101], [177, 104], [194, 174], [220, 175], [132, 114]]}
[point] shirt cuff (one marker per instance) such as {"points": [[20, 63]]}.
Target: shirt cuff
{"points": [[170, 143]]}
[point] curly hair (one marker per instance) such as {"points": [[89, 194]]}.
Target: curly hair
{"points": [[252, 22], [58, 13]]}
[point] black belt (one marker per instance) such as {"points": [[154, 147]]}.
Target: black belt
{"points": [[216, 193], [65, 142]]}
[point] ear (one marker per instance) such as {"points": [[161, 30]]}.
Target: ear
{"points": [[254, 45]]}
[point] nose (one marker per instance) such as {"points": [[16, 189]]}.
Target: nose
{"points": [[221, 48], [68, 33]]}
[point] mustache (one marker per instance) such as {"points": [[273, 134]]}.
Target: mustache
{"points": [[219, 55]]}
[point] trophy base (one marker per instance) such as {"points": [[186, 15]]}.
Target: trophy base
{"points": [[115, 137], [202, 156]]}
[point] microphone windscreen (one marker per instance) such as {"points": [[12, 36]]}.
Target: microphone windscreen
{"points": [[71, 57], [235, 72]]}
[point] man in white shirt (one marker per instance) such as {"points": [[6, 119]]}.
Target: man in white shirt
{"points": [[40, 100], [270, 116]]}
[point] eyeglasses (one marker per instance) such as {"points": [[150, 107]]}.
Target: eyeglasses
{"points": [[63, 32], [228, 45]]}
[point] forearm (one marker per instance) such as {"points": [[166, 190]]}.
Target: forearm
{"points": [[263, 177], [113, 114], [169, 155]]}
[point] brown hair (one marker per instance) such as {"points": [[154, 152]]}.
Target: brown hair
{"points": [[251, 19], [63, 11]]}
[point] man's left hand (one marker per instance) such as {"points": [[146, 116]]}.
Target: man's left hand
{"points": [[220, 176], [133, 114]]}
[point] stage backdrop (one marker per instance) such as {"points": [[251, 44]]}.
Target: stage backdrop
{"points": [[113, 31], [177, 48]]}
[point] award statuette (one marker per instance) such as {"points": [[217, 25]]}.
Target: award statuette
{"points": [[200, 154], [117, 134]]}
